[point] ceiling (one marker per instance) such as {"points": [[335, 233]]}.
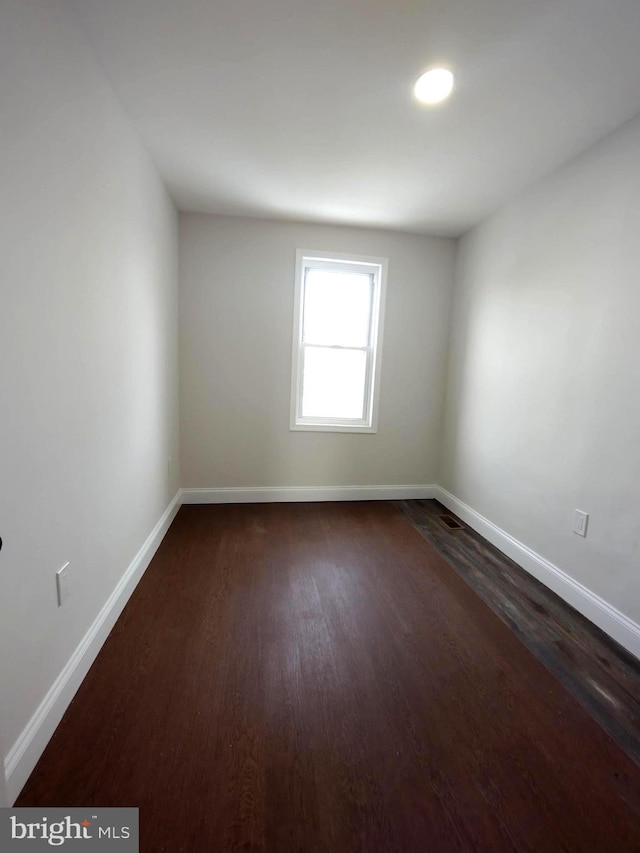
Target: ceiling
{"points": [[302, 109]]}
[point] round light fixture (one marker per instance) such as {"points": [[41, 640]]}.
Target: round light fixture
{"points": [[434, 86]]}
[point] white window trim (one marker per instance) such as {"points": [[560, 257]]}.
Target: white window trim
{"points": [[369, 424]]}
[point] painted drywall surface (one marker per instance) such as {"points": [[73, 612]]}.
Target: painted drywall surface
{"points": [[543, 402], [88, 347], [236, 325], [4, 796]]}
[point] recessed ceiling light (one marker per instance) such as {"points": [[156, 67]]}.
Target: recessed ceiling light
{"points": [[434, 86]]}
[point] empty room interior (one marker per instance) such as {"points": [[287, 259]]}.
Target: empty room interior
{"points": [[319, 462]]}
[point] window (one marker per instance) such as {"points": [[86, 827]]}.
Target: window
{"points": [[337, 337]]}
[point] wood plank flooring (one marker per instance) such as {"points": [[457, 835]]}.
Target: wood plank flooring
{"points": [[602, 676], [315, 677]]}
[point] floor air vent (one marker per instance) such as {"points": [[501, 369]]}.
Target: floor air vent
{"points": [[450, 522]]}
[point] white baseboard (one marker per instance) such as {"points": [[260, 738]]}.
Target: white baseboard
{"points": [[299, 494], [25, 753], [596, 609]]}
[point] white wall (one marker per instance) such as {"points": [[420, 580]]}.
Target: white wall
{"points": [[88, 347], [543, 411], [236, 326], [4, 795]]}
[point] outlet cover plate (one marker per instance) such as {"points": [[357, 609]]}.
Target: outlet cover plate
{"points": [[62, 584], [580, 522]]}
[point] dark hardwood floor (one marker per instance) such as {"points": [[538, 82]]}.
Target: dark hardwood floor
{"points": [[315, 677]]}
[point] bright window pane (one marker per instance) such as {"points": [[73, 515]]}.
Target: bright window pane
{"points": [[337, 308], [333, 383]]}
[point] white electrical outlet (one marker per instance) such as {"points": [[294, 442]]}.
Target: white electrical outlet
{"points": [[580, 521], [62, 584]]}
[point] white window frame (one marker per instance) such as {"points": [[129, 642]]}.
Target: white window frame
{"points": [[377, 267]]}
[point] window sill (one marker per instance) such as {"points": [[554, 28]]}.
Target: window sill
{"points": [[354, 428]]}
